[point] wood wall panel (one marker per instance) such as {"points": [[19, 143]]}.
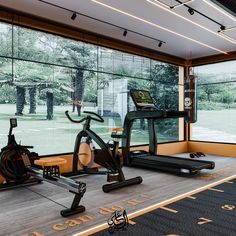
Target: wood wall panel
{"points": [[213, 148]]}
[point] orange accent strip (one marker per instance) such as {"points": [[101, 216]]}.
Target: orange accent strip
{"points": [[191, 197], [216, 190], [115, 129], [168, 209], [132, 222]]}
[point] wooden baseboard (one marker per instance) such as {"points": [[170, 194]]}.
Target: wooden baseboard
{"points": [[220, 149]]}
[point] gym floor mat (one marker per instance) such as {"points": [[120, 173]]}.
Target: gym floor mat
{"points": [[210, 212]]}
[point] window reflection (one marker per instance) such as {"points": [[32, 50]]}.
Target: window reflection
{"points": [[216, 103], [48, 74]]}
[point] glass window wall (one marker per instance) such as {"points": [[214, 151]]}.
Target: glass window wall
{"points": [[216, 96], [43, 75]]}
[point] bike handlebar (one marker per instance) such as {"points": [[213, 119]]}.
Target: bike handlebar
{"points": [[98, 119]]}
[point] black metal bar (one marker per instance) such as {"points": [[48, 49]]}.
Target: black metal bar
{"points": [[102, 21], [200, 13]]}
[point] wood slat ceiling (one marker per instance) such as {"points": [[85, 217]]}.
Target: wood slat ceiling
{"points": [[186, 36]]}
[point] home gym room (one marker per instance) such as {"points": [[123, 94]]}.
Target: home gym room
{"points": [[117, 117]]}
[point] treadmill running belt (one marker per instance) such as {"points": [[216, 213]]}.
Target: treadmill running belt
{"points": [[171, 163]]}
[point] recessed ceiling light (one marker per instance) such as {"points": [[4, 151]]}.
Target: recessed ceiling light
{"points": [[158, 26]]}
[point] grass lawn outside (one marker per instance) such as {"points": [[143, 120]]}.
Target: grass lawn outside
{"points": [[215, 126], [58, 135]]}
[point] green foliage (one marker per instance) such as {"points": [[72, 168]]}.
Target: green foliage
{"points": [[5, 71], [79, 82], [5, 40], [164, 89], [216, 96], [90, 93], [7, 94], [164, 85]]}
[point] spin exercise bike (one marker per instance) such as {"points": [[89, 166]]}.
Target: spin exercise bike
{"points": [[18, 165], [106, 156]]}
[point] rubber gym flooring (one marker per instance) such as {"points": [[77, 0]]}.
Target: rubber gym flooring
{"points": [[35, 210], [211, 212]]}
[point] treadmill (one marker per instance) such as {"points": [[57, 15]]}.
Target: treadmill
{"points": [[146, 110]]}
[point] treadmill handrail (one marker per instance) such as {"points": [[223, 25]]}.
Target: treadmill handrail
{"points": [[156, 114], [150, 115]]}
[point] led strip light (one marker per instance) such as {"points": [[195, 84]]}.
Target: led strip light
{"points": [[158, 26], [155, 2], [226, 14], [174, 6], [219, 9], [178, 5]]}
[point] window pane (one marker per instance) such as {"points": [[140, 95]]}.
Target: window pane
{"points": [[33, 45], [214, 73], [164, 73], [52, 74], [105, 60], [128, 64], [166, 98], [30, 74], [5, 39], [76, 54], [167, 130], [139, 132], [112, 101], [216, 103], [121, 63], [5, 70], [216, 113]]}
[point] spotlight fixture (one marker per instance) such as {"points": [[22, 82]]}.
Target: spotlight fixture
{"points": [[158, 26], [125, 33], [160, 44], [222, 28], [154, 2], [191, 11], [73, 16]]}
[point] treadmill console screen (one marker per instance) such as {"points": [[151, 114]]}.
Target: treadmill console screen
{"points": [[142, 98]]}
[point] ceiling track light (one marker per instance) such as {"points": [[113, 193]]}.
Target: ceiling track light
{"points": [[222, 28], [173, 6], [143, 20], [160, 27], [160, 44], [221, 10], [227, 29], [156, 3], [190, 11], [180, 4], [74, 15], [101, 21]]}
